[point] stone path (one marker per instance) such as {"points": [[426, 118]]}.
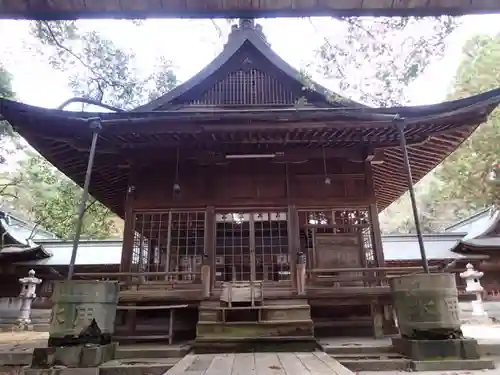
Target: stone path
{"points": [[316, 363], [25, 341], [483, 333], [464, 372], [22, 340]]}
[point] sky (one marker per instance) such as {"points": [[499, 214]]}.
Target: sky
{"points": [[192, 44]]}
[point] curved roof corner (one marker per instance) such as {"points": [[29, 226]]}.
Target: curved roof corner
{"points": [[17, 242]]}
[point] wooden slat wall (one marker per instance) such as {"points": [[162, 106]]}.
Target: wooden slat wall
{"points": [[252, 183]]}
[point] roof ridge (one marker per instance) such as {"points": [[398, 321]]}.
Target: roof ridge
{"points": [[470, 217], [246, 32]]}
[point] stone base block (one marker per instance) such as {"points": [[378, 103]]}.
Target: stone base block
{"points": [[453, 365], [18, 358], [138, 366], [61, 370], [81, 356], [154, 351], [420, 350]]}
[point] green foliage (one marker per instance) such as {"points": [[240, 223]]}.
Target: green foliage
{"points": [[464, 174], [375, 59], [9, 141], [5, 83], [99, 71], [51, 200], [459, 186]]}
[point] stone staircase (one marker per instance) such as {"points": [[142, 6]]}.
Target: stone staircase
{"points": [[242, 320]]}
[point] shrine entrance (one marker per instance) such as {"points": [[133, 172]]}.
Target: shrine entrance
{"points": [[252, 246]]}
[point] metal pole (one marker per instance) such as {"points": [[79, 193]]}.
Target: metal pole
{"points": [[95, 125], [400, 124]]}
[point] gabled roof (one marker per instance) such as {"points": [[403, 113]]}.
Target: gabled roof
{"points": [[432, 133], [468, 224], [16, 231], [397, 248], [200, 115], [402, 247], [18, 240], [484, 233], [246, 48], [90, 253]]}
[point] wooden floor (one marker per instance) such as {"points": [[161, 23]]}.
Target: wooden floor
{"points": [[288, 363]]}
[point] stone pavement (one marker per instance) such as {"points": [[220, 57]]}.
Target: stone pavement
{"points": [[17, 341], [25, 341], [464, 372], [483, 333]]}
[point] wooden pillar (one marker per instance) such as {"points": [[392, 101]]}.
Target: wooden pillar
{"points": [[131, 320], [293, 242], [206, 280], [301, 274], [377, 319], [210, 242], [128, 230], [292, 225], [378, 250]]}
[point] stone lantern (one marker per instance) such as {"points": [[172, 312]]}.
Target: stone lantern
{"points": [[472, 279], [494, 175], [27, 295]]}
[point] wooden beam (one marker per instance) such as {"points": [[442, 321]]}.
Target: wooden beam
{"points": [[114, 146], [134, 9], [295, 155]]}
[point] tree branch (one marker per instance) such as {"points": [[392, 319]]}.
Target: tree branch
{"points": [[70, 52]]}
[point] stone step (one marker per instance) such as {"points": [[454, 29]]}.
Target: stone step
{"points": [[138, 366], [151, 351], [224, 344], [361, 363], [367, 356], [390, 364], [489, 348], [263, 322], [261, 307], [238, 330], [453, 365], [253, 338], [361, 350]]}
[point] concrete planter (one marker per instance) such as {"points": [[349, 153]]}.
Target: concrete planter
{"points": [[427, 305], [83, 312]]}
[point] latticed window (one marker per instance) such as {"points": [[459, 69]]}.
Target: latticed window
{"points": [[171, 241], [247, 87], [47, 289]]}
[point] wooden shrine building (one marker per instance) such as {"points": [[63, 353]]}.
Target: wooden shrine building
{"points": [[250, 201]]}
